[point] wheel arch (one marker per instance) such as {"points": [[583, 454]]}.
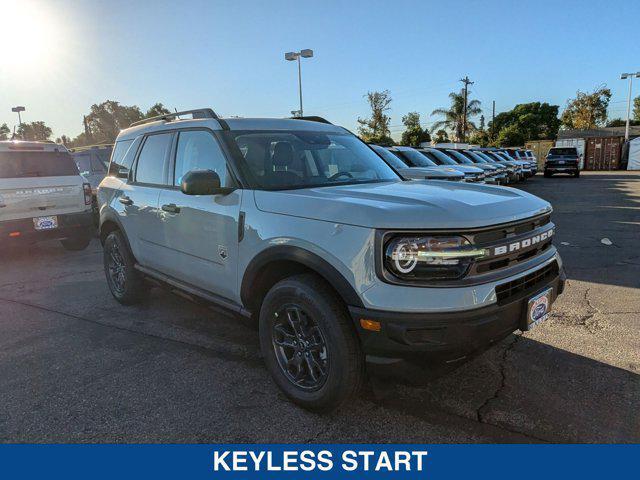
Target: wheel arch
{"points": [[279, 262]]}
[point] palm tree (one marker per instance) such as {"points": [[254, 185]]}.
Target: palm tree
{"points": [[454, 115]]}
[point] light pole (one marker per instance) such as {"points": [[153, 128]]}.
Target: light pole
{"points": [[291, 56], [630, 76], [18, 110]]}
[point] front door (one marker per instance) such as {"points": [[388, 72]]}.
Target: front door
{"points": [[200, 233]]}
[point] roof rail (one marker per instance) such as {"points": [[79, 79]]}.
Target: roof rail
{"points": [[198, 113], [313, 118], [89, 147]]}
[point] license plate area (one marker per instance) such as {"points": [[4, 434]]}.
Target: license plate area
{"points": [[538, 309], [45, 223]]}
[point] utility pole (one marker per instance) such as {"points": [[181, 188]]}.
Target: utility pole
{"points": [[630, 76], [466, 82], [493, 118]]}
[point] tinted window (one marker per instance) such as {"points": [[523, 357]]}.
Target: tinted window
{"points": [[290, 159], [119, 158], [97, 166], [414, 158], [199, 150], [36, 164], [389, 157], [152, 158], [459, 156], [83, 161], [441, 158]]}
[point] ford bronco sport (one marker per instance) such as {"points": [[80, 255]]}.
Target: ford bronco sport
{"points": [[301, 225], [43, 196]]}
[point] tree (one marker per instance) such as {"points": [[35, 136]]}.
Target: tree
{"points": [[414, 134], [156, 110], [106, 119], [636, 109], [4, 132], [531, 121], [510, 136], [63, 140], [441, 136], [34, 131], [587, 110], [618, 122], [480, 137], [376, 128], [454, 116]]}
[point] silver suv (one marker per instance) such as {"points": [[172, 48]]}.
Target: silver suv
{"points": [[302, 226]]}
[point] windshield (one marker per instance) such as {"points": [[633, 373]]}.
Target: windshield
{"points": [[36, 164], [389, 157], [278, 160], [475, 157], [566, 151], [441, 158], [415, 158], [485, 156], [460, 157]]}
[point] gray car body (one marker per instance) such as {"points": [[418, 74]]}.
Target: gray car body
{"points": [[334, 225], [417, 173]]}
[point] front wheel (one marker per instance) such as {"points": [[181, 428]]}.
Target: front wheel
{"points": [[547, 174], [309, 343], [577, 174], [125, 282]]}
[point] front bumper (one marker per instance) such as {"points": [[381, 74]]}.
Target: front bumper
{"points": [[71, 225], [452, 336]]}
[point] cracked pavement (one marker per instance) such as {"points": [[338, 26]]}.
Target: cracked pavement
{"points": [[75, 366]]}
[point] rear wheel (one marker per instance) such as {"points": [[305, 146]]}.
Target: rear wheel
{"points": [[577, 173], [125, 282], [547, 174], [309, 343], [76, 243]]}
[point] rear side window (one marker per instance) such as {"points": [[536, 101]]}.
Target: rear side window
{"points": [[83, 161], [36, 164], [120, 161], [152, 159]]}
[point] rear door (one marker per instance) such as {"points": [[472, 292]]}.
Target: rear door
{"points": [[139, 199], [200, 233], [39, 183]]}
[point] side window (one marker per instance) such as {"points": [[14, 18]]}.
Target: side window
{"points": [[119, 156], [199, 150], [151, 161], [96, 165]]}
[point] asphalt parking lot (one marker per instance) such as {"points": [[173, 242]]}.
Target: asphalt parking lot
{"points": [[75, 366]]}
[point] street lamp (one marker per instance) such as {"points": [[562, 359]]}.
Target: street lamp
{"points": [[291, 56], [630, 76], [18, 110]]}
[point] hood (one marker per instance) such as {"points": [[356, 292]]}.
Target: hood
{"points": [[426, 172], [417, 204], [465, 168], [486, 167]]}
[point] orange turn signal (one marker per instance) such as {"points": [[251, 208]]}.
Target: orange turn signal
{"points": [[370, 325], [14, 234]]}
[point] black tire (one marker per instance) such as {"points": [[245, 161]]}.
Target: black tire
{"points": [[547, 174], [125, 282], [577, 173], [321, 311], [75, 244]]}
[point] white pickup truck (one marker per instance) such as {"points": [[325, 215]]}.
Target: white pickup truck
{"points": [[43, 196]]}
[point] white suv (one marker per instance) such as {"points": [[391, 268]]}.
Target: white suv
{"points": [[43, 196]]}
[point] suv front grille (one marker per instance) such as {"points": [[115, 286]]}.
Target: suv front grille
{"points": [[507, 291]]}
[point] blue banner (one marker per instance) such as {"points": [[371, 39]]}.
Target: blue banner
{"points": [[319, 461]]}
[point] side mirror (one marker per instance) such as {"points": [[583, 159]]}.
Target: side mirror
{"points": [[203, 182]]}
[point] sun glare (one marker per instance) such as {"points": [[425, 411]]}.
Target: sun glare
{"points": [[28, 38]]}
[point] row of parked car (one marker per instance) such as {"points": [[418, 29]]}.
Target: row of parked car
{"points": [[486, 165], [300, 225]]}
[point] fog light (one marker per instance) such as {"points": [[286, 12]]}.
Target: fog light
{"points": [[371, 325]]}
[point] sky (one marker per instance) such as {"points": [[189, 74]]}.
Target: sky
{"points": [[61, 56]]}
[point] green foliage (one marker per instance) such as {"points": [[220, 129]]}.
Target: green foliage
{"points": [[454, 115], [511, 136], [34, 131], [441, 136], [382, 140], [5, 131], [618, 122], [480, 137], [636, 109], [530, 121], [414, 134], [587, 110], [376, 127], [156, 110]]}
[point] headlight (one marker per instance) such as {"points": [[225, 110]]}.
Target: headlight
{"points": [[429, 257]]}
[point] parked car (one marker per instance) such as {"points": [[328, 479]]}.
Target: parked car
{"points": [[416, 158], [43, 196], [562, 160], [519, 158], [504, 171], [471, 173], [92, 162], [463, 158], [302, 226], [513, 171], [504, 158], [417, 173]]}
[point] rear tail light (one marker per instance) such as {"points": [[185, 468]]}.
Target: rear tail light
{"points": [[88, 197]]}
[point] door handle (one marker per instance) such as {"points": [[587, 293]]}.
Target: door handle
{"points": [[171, 208], [125, 200]]}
